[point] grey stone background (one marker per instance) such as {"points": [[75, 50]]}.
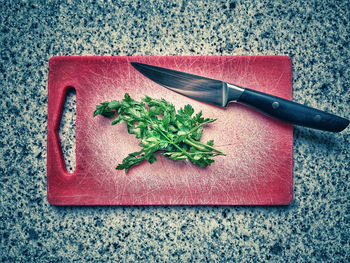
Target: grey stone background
{"points": [[314, 228]]}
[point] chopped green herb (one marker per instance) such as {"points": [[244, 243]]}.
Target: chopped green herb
{"points": [[176, 135]]}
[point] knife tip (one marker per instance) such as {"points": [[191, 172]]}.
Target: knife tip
{"points": [[135, 63]]}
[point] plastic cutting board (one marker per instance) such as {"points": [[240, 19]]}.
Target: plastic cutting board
{"points": [[258, 168]]}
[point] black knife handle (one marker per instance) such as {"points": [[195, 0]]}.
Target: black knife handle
{"points": [[292, 112]]}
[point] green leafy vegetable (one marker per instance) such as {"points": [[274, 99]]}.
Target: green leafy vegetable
{"points": [[155, 121]]}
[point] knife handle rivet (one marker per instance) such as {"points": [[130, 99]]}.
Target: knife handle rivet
{"points": [[275, 105], [317, 118]]}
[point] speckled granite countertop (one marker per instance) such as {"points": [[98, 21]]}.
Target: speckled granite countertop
{"points": [[314, 228]]}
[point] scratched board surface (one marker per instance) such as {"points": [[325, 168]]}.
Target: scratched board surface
{"points": [[257, 169]]}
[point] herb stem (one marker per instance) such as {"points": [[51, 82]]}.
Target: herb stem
{"points": [[202, 146], [171, 141]]}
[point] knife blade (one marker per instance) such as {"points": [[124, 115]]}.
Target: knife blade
{"points": [[220, 93]]}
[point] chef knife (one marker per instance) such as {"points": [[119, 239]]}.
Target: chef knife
{"points": [[220, 93]]}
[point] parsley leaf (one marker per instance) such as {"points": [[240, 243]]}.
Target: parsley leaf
{"points": [[176, 134]]}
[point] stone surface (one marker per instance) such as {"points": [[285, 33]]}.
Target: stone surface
{"points": [[315, 227]]}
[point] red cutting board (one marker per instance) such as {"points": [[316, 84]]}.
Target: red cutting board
{"points": [[258, 168]]}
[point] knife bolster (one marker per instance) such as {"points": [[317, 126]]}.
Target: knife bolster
{"points": [[233, 92]]}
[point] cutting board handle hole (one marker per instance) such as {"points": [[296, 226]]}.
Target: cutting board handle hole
{"points": [[67, 129]]}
